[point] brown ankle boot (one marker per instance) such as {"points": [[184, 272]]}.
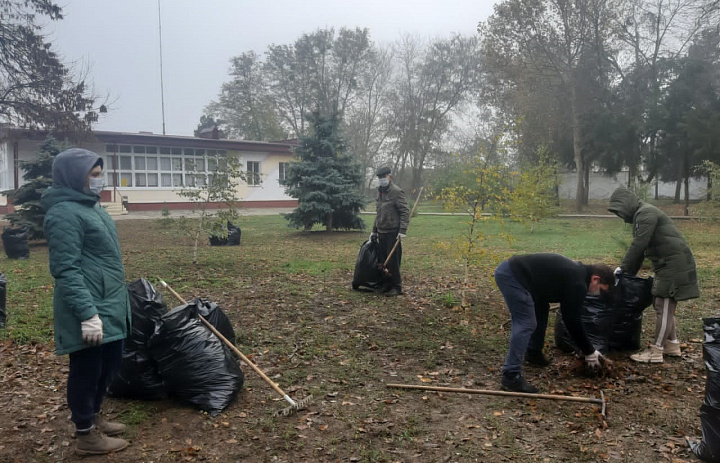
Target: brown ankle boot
{"points": [[108, 428], [96, 443]]}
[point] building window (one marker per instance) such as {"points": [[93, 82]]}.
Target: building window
{"points": [[282, 171], [139, 166], [253, 173]]}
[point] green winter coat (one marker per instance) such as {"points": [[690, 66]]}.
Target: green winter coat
{"points": [[86, 263], [392, 212], [655, 237]]}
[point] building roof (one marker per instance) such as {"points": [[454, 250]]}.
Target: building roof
{"points": [[149, 138]]}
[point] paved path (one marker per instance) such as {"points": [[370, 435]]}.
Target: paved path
{"points": [[190, 214]]}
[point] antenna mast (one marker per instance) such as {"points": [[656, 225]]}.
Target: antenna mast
{"points": [[162, 89]]}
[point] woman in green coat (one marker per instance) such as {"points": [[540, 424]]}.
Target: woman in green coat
{"points": [[655, 237], [91, 306]]}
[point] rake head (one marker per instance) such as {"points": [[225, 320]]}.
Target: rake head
{"points": [[296, 405]]}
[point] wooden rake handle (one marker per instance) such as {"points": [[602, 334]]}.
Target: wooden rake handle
{"points": [[506, 393], [234, 349]]}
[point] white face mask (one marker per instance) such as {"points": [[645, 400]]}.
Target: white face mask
{"points": [[95, 186], [384, 181]]}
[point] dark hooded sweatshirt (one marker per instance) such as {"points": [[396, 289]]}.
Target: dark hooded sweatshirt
{"points": [[551, 278], [655, 237], [85, 257]]}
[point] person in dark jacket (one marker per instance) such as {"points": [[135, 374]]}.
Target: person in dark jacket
{"points": [[391, 223], [529, 283], [91, 306], [675, 279]]}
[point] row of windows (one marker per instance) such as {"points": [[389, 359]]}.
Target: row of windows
{"points": [[143, 168]]}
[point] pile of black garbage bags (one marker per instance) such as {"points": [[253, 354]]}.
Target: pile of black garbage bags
{"points": [[612, 323], [171, 353]]}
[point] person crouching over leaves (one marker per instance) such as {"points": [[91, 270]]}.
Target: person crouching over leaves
{"points": [[529, 283]]}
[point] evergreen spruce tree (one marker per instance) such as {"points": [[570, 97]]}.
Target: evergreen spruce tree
{"points": [[326, 180], [38, 177]]}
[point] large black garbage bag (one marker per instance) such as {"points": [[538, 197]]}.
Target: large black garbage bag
{"points": [[214, 315], [596, 318], [15, 241], [138, 377], [711, 355], [367, 267], [632, 296], [194, 363], [3, 297], [233, 237], [709, 448]]}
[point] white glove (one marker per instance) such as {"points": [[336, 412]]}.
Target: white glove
{"points": [[593, 360], [617, 272], [401, 236], [373, 236], [92, 331]]}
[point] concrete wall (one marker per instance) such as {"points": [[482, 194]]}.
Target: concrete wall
{"points": [[602, 186]]}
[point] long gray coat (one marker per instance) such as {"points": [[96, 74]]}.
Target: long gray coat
{"points": [[655, 237]]}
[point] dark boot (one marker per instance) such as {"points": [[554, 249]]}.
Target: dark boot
{"points": [[394, 292], [516, 383], [536, 358]]}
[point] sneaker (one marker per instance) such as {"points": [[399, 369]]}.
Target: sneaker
{"points": [[108, 428], [536, 357], [672, 349], [97, 443], [516, 383], [652, 354]]}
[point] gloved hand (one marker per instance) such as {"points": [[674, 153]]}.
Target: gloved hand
{"points": [[373, 236], [617, 272], [92, 331], [593, 361], [401, 236]]}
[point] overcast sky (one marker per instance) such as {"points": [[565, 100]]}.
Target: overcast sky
{"points": [[118, 44]]}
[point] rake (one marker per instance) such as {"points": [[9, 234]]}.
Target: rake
{"points": [[295, 405], [601, 401]]}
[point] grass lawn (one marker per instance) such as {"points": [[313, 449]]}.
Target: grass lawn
{"points": [[288, 295]]}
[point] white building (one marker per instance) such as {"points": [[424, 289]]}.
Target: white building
{"points": [[145, 170]]}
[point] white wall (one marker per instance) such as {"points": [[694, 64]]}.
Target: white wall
{"points": [[602, 186]]}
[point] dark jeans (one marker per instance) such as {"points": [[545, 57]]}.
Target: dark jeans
{"points": [[91, 372], [527, 329], [386, 242]]}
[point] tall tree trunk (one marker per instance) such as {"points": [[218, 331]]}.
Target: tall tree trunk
{"points": [[678, 187], [578, 155], [329, 222], [686, 211]]}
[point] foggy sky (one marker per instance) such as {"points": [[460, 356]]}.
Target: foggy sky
{"points": [[116, 43]]}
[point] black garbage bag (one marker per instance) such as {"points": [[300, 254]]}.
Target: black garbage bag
{"points": [[194, 363], [709, 448], [214, 315], [138, 377], [632, 296], [15, 241], [232, 239], [148, 306], [3, 298], [597, 317], [711, 355], [367, 267]]}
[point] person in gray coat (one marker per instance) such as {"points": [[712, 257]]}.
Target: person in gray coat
{"points": [[390, 226], [656, 238]]}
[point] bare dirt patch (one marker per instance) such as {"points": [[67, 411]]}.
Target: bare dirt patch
{"points": [[313, 335]]}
